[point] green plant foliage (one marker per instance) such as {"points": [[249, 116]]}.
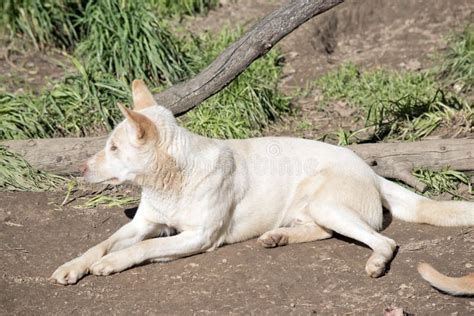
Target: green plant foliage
{"points": [[347, 137], [44, 23], [63, 23], [126, 39], [120, 41], [244, 107], [120, 37], [396, 93], [404, 105], [457, 63], [82, 105], [440, 181]]}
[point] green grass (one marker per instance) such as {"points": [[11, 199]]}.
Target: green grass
{"points": [[64, 23], [457, 63], [401, 105], [84, 104], [441, 181], [16, 174], [409, 105], [346, 138], [126, 39], [248, 104], [305, 125], [123, 40], [44, 23]]}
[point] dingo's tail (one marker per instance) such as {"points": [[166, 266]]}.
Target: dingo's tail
{"points": [[454, 286], [411, 207]]}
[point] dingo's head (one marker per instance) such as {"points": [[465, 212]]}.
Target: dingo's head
{"points": [[132, 148]]}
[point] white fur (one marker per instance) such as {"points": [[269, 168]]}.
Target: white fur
{"points": [[283, 189]]}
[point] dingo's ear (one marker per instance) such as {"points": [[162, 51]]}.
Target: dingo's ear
{"points": [[142, 97], [142, 127]]}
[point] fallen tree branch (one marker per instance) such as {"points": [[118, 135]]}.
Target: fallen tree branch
{"points": [[397, 160], [391, 160], [62, 156], [255, 43]]}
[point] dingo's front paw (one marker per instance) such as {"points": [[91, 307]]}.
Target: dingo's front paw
{"points": [[70, 272], [109, 264]]}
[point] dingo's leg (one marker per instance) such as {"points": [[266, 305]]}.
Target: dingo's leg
{"points": [[129, 234], [298, 233], [345, 221], [184, 244]]}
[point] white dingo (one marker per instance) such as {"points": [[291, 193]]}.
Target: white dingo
{"points": [[213, 192]]}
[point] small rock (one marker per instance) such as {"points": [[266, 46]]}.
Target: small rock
{"points": [[4, 215], [458, 87], [193, 265], [288, 70], [292, 304], [413, 64], [468, 265], [293, 54], [343, 109]]}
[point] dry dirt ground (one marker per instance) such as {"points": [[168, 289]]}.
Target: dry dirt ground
{"points": [[321, 277], [324, 277]]}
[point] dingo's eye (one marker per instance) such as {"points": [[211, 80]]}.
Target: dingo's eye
{"points": [[113, 147]]}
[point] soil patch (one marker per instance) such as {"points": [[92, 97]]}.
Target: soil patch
{"points": [[320, 277]]}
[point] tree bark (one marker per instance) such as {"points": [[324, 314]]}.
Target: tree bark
{"points": [[255, 43], [391, 160], [397, 160], [63, 156]]}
